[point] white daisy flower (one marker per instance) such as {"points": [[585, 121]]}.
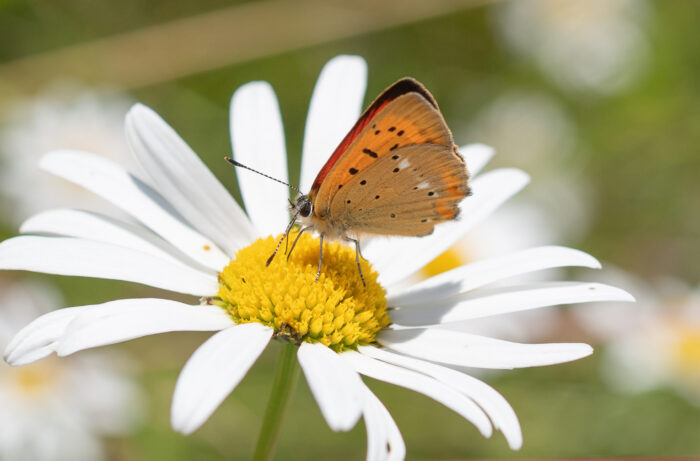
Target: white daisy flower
{"points": [[193, 238], [58, 409], [655, 346], [62, 117], [495, 237], [597, 45]]}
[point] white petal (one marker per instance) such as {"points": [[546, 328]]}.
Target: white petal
{"points": [[400, 257], [127, 319], [384, 441], [418, 382], [480, 273], [335, 107], [38, 339], [257, 139], [505, 299], [181, 176], [213, 371], [336, 386], [468, 350], [93, 226], [493, 403], [85, 258], [113, 183], [476, 156]]}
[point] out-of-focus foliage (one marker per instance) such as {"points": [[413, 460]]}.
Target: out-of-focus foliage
{"points": [[634, 154]]}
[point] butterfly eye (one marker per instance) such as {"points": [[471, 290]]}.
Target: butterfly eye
{"points": [[305, 208]]}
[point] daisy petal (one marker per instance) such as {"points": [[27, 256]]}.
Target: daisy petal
{"points": [[213, 371], [93, 226], [480, 273], [476, 156], [113, 183], [126, 319], [336, 386], [506, 299], [493, 403], [257, 139], [400, 257], [468, 350], [38, 339], [179, 174], [423, 384], [85, 258], [335, 106], [384, 441]]}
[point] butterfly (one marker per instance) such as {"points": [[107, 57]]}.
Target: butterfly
{"points": [[396, 172]]}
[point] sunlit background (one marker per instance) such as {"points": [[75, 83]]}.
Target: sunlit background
{"points": [[597, 100]]}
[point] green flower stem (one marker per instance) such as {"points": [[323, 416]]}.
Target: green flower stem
{"points": [[282, 390]]}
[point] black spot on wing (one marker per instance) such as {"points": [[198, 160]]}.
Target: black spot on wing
{"points": [[370, 153]]}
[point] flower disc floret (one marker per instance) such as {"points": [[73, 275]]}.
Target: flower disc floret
{"points": [[337, 310]]}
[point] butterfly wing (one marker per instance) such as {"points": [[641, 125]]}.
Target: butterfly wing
{"points": [[404, 114], [405, 193]]}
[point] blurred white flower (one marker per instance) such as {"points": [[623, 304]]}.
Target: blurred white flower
{"points": [[531, 129], [654, 346], [62, 117], [534, 131], [58, 409], [594, 45]]}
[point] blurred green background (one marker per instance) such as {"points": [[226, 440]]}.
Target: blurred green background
{"points": [[632, 151]]}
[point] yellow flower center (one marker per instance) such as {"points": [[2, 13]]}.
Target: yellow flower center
{"points": [[337, 310], [31, 380], [687, 358]]}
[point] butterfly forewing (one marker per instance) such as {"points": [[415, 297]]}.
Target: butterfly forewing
{"points": [[405, 193], [410, 118]]}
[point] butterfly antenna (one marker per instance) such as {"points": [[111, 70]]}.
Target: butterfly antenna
{"points": [[238, 164]]}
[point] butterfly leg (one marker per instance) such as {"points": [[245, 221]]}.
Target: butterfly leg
{"points": [[358, 255], [303, 229], [320, 257]]}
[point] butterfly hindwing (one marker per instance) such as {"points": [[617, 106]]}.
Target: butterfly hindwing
{"points": [[405, 193]]}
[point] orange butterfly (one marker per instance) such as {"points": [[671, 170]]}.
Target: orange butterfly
{"points": [[397, 172]]}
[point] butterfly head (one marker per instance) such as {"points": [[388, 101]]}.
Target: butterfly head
{"points": [[303, 206]]}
